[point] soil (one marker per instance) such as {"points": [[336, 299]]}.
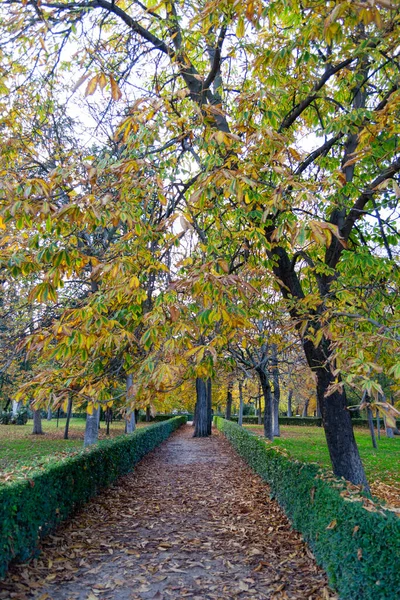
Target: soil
{"points": [[192, 521]]}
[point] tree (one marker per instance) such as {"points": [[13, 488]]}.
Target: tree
{"points": [[229, 153]]}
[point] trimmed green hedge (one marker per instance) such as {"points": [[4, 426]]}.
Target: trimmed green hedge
{"points": [[160, 418], [29, 509], [307, 421], [360, 551]]}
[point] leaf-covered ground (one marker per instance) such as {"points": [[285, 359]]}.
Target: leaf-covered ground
{"points": [[308, 444], [193, 521], [21, 452]]}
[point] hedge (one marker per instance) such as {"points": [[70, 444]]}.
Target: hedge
{"points": [[160, 418], [317, 421], [358, 548], [31, 508]]}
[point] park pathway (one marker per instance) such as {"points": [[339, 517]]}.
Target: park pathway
{"points": [[192, 521]]}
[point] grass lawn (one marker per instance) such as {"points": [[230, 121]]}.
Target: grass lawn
{"points": [[382, 466], [20, 451]]}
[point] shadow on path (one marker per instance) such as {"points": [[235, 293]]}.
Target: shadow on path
{"points": [[192, 521]]}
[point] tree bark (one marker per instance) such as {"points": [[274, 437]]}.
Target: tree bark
{"points": [[148, 414], [228, 412], [371, 427], [289, 404], [268, 408], [342, 446], [37, 423], [69, 411], [277, 389], [240, 421], [202, 426], [15, 407], [49, 414], [304, 412], [92, 428], [130, 416], [108, 417]]}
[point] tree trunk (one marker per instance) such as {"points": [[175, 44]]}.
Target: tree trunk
{"points": [[37, 423], [289, 404], [240, 421], [148, 414], [389, 431], [336, 419], [92, 428], [228, 412], [378, 424], [130, 422], [319, 415], [268, 408], [371, 427], [305, 408], [69, 411], [259, 414], [15, 407], [277, 390], [49, 414], [202, 426], [108, 417], [342, 446]]}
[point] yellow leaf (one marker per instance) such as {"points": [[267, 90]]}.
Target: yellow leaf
{"points": [[240, 27], [102, 81], [92, 85], [116, 93], [2, 226], [332, 524]]}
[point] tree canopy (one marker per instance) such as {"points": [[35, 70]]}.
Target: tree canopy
{"points": [[174, 173]]}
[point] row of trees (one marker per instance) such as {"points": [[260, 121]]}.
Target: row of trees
{"points": [[233, 200]]}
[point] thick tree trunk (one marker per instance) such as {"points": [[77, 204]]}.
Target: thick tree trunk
{"points": [[37, 423], [69, 411], [268, 408], [202, 426], [240, 421], [228, 412], [277, 390], [289, 404], [92, 428], [336, 419], [342, 446]]}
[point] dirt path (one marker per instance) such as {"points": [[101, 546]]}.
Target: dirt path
{"points": [[192, 521]]}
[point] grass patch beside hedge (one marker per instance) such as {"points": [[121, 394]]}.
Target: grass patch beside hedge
{"points": [[31, 508], [358, 548]]}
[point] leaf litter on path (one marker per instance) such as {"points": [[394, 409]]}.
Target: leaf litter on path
{"points": [[192, 521]]}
